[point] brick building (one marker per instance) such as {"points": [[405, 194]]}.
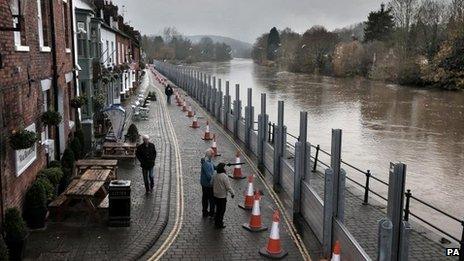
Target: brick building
{"points": [[36, 74]]}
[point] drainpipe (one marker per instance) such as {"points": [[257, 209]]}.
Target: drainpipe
{"points": [[74, 53], [55, 77]]}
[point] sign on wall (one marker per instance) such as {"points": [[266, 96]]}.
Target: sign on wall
{"points": [[24, 158]]}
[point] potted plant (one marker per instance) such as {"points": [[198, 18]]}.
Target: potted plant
{"points": [[78, 101], [50, 191], [35, 205], [23, 139], [15, 233], [3, 250], [54, 175], [54, 164], [51, 118], [132, 134]]}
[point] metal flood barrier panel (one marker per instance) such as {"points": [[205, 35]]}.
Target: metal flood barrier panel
{"points": [[312, 209], [351, 248], [287, 177]]}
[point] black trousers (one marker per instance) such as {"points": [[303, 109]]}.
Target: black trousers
{"points": [[220, 210], [207, 200]]}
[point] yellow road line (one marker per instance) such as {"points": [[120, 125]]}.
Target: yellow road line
{"points": [[180, 188], [293, 232]]}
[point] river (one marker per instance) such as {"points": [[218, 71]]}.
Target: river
{"points": [[381, 123]]}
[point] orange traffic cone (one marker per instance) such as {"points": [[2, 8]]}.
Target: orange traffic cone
{"points": [[184, 106], [238, 168], [214, 147], [248, 195], [195, 123], [336, 251], [207, 135], [255, 224], [190, 112], [274, 249]]}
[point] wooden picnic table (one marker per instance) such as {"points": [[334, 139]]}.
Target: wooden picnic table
{"points": [[96, 175], [85, 164], [119, 150], [92, 192]]}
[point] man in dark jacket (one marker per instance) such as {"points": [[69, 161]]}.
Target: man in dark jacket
{"points": [[168, 91], [146, 154], [207, 172]]}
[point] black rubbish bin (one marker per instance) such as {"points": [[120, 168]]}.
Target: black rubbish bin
{"points": [[119, 203]]}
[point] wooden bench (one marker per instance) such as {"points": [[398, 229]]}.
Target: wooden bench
{"points": [[105, 203], [116, 150], [57, 207]]}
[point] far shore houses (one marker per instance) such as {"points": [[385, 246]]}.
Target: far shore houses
{"points": [[52, 51]]}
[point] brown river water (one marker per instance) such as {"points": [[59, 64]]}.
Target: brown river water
{"points": [[381, 123]]}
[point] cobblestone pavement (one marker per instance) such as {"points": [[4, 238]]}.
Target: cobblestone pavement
{"points": [[81, 238], [361, 220], [198, 239]]}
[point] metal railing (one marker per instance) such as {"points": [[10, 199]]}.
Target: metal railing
{"points": [[367, 189]]}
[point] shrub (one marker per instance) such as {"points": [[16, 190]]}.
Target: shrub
{"points": [[76, 147], [48, 186], [14, 226], [35, 205], [54, 164], [3, 250], [78, 102], [132, 133], [23, 139], [67, 160], [54, 175], [79, 134], [52, 118]]}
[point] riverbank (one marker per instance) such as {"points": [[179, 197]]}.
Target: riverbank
{"points": [[380, 122]]}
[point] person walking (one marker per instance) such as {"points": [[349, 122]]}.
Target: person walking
{"points": [[168, 91], [207, 172], [221, 186], [146, 154]]}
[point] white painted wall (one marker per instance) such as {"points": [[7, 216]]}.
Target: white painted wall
{"points": [[109, 56]]}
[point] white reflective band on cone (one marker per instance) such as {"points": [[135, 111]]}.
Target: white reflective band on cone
{"points": [[256, 211], [275, 230], [207, 128], [237, 160], [250, 189]]}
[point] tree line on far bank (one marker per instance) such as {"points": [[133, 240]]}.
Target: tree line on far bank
{"points": [[173, 46], [409, 42]]}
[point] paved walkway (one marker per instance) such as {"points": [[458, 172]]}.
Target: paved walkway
{"points": [[197, 239], [79, 238]]}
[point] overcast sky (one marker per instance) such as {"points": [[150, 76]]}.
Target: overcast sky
{"points": [[241, 19]]}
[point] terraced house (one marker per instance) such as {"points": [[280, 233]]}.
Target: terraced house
{"points": [[108, 54], [61, 63], [37, 78]]}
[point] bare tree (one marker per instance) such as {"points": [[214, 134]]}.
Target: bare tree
{"points": [[430, 19], [403, 12]]}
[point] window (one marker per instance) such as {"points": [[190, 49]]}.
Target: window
{"points": [[112, 53], [19, 36], [81, 44], [107, 52], [70, 95], [66, 26], [43, 23]]}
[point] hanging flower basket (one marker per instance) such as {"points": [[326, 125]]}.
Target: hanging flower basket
{"points": [[78, 102], [51, 118], [23, 139]]}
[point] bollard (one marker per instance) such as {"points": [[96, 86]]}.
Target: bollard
{"points": [[279, 146], [263, 121], [408, 195], [366, 188]]}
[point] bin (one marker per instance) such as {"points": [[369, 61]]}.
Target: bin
{"points": [[119, 208]]}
